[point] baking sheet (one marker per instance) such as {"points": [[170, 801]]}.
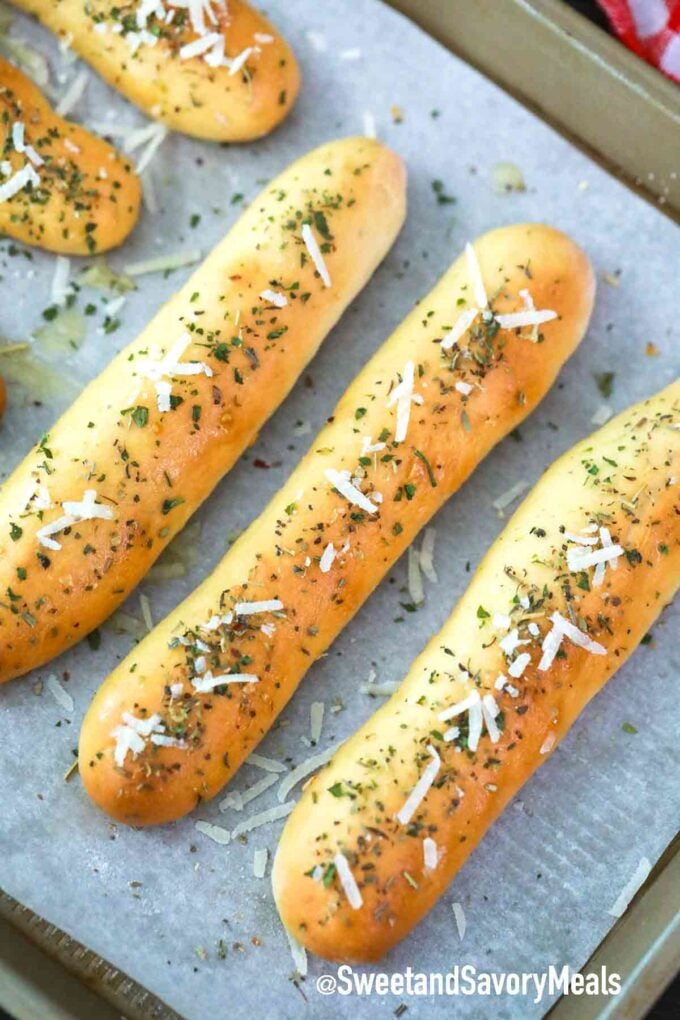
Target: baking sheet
{"points": [[181, 914]]}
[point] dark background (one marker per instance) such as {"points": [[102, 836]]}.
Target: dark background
{"points": [[669, 1004], [591, 9]]}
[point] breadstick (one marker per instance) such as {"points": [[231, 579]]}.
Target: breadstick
{"points": [[441, 392], [560, 601], [214, 69], [97, 500], [61, 187]]}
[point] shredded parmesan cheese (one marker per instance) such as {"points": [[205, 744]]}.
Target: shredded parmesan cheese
{"points": [[460, 706], [315, 254], [317, 41], [249, 608], [127, 740], [430, 856], [384, 690], [327, 557], [213, 623], [164, 263], [208, 682], [304, 769], [548, 743], [299, 954], [578, 559], [316, 713], [214, 832], [427, 555], [564, 628], [20, 146], [260, 858], [580, 539], [369, 124], [74, 93], [475, 273], [267, 764], [348, 882], [402, 396], [273, 297], [414, 799], [475, 724], [602, 415], [459, 916], [60, 695], [263, 818], [237, 62], [518, 665], [340, 480], [489, 711], [620, 905], [18, 182], [481, 712], [170, 365], [133, 733], [86, 509], [530, 316], [199, 46], [415, 581], [511, 642], [516, 320], [460, 327], [145, 606], [509, 496], [163, 740]]}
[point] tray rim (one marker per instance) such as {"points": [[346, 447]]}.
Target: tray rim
{"points": [[632, 148], [643, 947]]}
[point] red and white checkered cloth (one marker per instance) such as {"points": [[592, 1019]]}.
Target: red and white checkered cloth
{"points": [[651, 28]]}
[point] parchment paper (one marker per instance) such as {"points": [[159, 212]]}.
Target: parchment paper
{"points": [[538, 889]]}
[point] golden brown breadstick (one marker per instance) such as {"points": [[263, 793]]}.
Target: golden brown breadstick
{"points": [[559, 602], [61, 187], [176, 719], [213, 69], [97, 500]]}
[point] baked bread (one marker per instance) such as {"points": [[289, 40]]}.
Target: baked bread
{"points": [[216, 70], [101, 495], [560, 601], [61, 187], [445, 388]]}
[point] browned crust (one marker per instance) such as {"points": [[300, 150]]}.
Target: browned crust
{"points": [[156, 470], [89, 195], [641, 509], [187, 95], [278, 556]]}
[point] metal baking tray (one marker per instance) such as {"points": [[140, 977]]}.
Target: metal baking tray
{"points": [[613, 106], [626, 116]]}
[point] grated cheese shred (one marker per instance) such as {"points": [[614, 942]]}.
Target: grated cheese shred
{"points": [[315, 255], [348, 882], [414, 799], [430, 856], [340, 480]]}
